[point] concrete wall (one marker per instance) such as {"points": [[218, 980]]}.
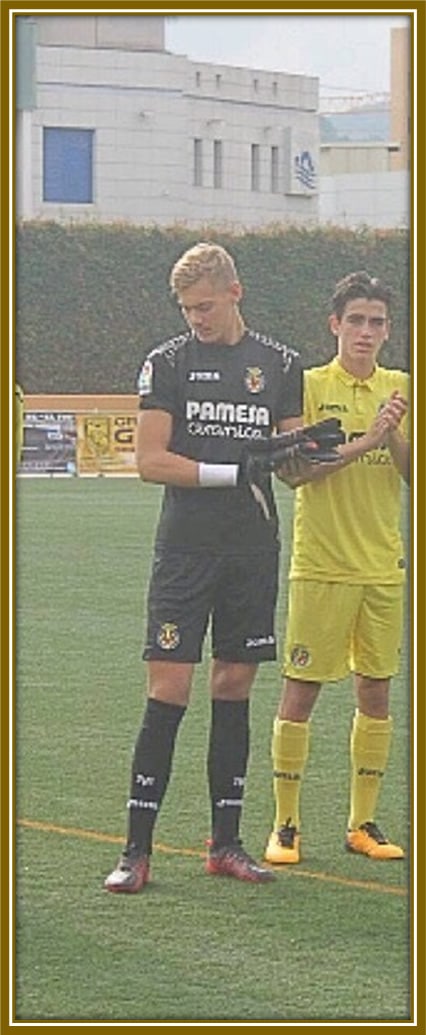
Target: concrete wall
{"points": [[378, 199], [145, 107], [131, 32], [356, 158]]}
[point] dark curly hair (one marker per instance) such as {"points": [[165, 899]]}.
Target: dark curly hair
{"points": [[358, 285]]}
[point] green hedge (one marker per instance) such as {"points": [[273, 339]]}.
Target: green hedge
{"points": [[92, 300]]}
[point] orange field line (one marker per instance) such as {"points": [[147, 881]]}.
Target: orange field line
{"points": [[366, 885]]}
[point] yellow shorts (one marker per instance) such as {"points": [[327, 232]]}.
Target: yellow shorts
{"points": [[334, 628]]}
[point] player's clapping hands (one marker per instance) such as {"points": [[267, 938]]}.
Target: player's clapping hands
{"points": [[394, 410], [387, 420]]}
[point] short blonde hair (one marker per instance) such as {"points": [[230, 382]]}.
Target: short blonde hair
{"points": [[203, 260]]}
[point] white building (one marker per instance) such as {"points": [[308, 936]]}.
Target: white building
{"points": [[111, 126], [114, 127], [360, 187]]}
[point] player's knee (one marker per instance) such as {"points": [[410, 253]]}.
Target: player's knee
{"points": [[232, 680], [298, 699]]}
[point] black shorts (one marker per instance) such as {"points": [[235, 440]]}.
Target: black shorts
{"points": [[237, 593]]}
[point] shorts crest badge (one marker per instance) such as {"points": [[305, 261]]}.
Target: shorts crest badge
{"points": [[300, 656], [168, 637], [254, 380]]}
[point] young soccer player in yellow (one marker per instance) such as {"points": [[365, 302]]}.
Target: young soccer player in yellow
{"points": [[346, 571]]}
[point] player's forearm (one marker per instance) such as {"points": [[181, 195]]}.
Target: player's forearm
{"points": [[165, 468], [349, 452], [398, 447]]}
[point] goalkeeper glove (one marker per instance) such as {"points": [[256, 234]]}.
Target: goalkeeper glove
{"points": [[312, 443], [316, 443]]}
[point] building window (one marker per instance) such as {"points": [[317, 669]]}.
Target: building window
{"points": [[255, 167], [217, 164], [275, 88], [68, 166], [198, 162], [218, 81], [255, 85], [274, 170], [198, 78]]}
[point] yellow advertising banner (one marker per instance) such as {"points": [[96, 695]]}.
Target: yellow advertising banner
{"points": [[106, 444]]}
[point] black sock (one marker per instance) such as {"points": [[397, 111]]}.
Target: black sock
{"points": [[151, 767], [226, 766]]}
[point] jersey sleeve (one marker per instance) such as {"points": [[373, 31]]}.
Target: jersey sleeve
{"points": [[291, 396], [156, 383], [404, 388]]}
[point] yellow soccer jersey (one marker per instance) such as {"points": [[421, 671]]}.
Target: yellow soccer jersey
{"points": [[347, 526]]}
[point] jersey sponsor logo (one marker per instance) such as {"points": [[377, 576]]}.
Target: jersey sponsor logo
{"points": [[168, 637], [300, 656], [333, 408], [228, 413], [254, 380], [145, 378], [204, 375], [375, 457], [226, 419], [228, 431], [381, 455]]}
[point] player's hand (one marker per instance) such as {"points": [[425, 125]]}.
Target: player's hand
{"points": [[394, 410], [289, 452], [312, 443], [387, 421]]}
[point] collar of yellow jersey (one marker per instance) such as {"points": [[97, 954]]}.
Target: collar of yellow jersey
{"points": [[350, 380]]}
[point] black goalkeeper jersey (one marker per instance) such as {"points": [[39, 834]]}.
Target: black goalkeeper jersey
{"points": [[221, 398]]}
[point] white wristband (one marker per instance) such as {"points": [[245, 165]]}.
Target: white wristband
{"points": [[213, 475]]}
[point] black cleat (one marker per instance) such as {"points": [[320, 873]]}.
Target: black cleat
{"points": [[233, 861]]}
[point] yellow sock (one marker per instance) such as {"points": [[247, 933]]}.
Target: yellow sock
{"points": [[370, 744], [290, 746]]}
